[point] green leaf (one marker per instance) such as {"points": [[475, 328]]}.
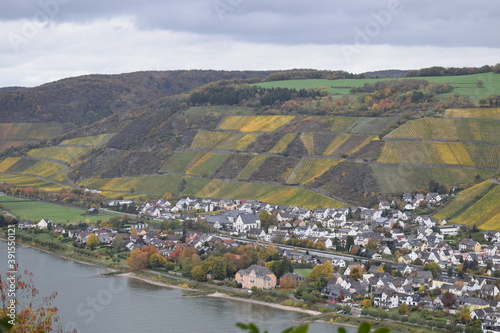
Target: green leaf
{"points": [[382, 330], [5, 326], [250, 327], [341, 330], [300, 329], [364, 328], [242, 326]]}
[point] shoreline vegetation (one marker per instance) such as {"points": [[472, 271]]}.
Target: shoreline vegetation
{"points": [[158, 279]]}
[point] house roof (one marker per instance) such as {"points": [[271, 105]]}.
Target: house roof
{"points": [[260, 271]]}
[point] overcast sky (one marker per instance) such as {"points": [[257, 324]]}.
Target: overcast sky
{"points": [[45, 40]]}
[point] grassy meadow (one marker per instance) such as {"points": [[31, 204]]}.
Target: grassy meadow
{"points": [[465, 85], [36, 210]]}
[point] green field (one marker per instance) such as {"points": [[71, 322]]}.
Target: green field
{"points": [[465, 85], [340, 86], [36, 210], [29, 131], [303, 271]]}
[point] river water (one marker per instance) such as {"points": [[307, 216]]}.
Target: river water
{"points": [[90, 303]]}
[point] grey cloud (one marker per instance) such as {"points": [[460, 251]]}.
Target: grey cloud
{"points": [[449, 23]]}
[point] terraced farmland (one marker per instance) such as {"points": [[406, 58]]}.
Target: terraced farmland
{"points": [[251, 167], [310, 168], [29, 131], [245, 141], [464, 200], [482, 212], [216, 188], [347, 144], [481, 113], [453, 153], [147, 184], [484, 155], [341, 123], [308, 141], [94, 140], [360, 125], [46, 169], [402, 178], [31, 181], [61, 153], [452, 129], [274, 194], [283, 143], [8, 162], [215, 140], [207, 165], [180, 162], [255, 123], [336, 143]]}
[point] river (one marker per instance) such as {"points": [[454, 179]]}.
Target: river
{"points": [[91, 303]]}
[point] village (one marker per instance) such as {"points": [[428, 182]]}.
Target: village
{"points": [[386, 257]]}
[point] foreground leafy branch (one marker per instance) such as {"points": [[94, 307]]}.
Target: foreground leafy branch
{"points": [[363, 328]]}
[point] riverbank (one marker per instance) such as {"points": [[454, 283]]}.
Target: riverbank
{"points": [[63, 256], [168, 285], [131, 275], [222, 295], [210, 290], [276, 306]]}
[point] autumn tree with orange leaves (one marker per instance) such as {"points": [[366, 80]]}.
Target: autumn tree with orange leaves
{"points": [[34, 314]]}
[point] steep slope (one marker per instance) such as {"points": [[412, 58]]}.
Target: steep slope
{"points": [[238, 140], [479, 205]]}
